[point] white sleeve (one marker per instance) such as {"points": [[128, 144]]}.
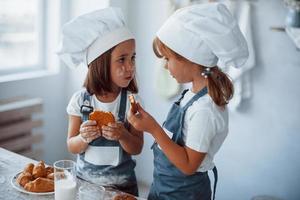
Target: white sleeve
{"points": [[200, 131], [73, 107]]}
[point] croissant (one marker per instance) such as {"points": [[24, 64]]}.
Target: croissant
{"points": [[24, 178], [29, 167], [49, 170], [39, 170], [50, 176], [40, 185]]}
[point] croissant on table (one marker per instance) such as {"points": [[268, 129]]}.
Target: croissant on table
{"points": [[39, 170], [40, 185], [24, 178], [50, 176], [49, 170], [29, 168], [37, 178]]}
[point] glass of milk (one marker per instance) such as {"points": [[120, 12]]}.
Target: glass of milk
{"points": [[65, 180]]}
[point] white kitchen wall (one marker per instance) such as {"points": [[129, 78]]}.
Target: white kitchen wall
{"points": [[261, 153]]}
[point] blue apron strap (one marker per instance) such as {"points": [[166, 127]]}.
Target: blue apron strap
{"points": [[152, 146], [86, 107], [201, 93], [215, 171], [176, 102], [182, 95], [123, 104]]}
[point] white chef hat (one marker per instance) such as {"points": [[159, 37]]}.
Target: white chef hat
{"points": [[88, 36], [205, 34]]}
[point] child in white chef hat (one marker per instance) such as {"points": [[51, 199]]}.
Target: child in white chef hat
{"points": [[102, 42], [193, 41]]}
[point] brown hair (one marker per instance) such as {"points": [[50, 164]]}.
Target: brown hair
{"points": [[98, 79], [220, 86]]}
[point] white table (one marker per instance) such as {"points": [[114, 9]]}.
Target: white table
{"points": [[294, 34], [11, 164]]}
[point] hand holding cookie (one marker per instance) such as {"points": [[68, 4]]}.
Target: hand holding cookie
{"points": [[102, 119], [114, 131], [142, 121], [134, 107], [89, 131]]}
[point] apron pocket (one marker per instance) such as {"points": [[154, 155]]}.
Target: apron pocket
{"points": [[102, 155]]}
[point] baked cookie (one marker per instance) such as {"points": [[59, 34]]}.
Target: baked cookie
{"points": [[133, 104], [102, 117]]}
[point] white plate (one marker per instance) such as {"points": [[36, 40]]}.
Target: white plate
{"points": [[18, 187]]}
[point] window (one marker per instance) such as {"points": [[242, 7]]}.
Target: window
{"points": [[21, 35], [28, 38]]}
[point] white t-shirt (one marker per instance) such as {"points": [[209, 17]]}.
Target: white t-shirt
{"points": [[95, 156], [205, 127], [76, 101]]}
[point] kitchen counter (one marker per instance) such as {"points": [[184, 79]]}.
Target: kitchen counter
{"points": [[11, 164]]}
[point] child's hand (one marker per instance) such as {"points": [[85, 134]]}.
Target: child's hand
{"points": [[142, 121], [114, 131], [89, 131]]}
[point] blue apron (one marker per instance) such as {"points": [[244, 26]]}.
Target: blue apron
{"points": [[169, 182], [126, 165]]}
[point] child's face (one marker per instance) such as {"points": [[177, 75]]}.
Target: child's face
{"points": [[123, 63], [179, 69]]}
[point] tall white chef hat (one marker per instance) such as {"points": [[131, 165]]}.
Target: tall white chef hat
{"points": [[205, 34], [88, 36]]}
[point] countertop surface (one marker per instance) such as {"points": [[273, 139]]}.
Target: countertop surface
{"points": [[10, 165]]}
